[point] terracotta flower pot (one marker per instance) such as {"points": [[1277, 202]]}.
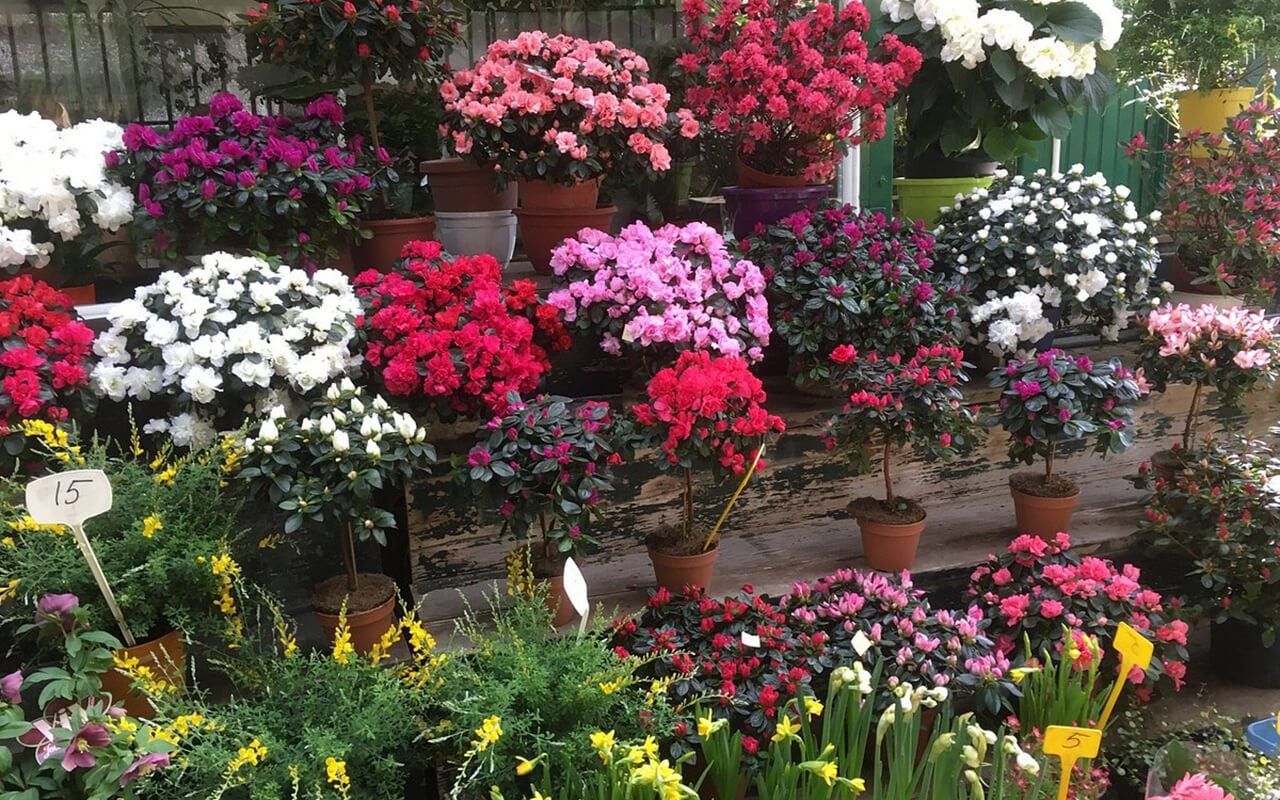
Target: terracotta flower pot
{"points": [[543, 230], [547, 195], [558, 602], [1043, 516], [458, 185], [369, 612], [85, 295], [389, 237], [676, 572], [890, 546], [751, 178], [167, 659]]}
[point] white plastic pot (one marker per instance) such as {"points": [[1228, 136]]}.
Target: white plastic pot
{"points": [[470, 233]]}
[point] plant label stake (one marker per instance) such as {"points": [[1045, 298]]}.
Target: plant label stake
{"points": [[1135, 651], [70, 498], [1070, 745], [575, 588], [711, 537], [750, 640]]}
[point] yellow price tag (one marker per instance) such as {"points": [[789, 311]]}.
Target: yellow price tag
{"points": [[1070, 745], [1135, 651]]}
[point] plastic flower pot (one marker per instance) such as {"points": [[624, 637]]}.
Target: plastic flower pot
{"points": [[751, 178], [1263, 737], [1041, 515], [558, 602], [1237, 652], [473, 233], [457, 185], [548, 195], [167, 659], [389, 237], [749, 207], [920, 199], [890, 546], [369, 612], [543, 230], [1209, 111], [676, 572]]}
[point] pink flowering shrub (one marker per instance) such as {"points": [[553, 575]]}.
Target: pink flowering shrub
{"points": [[1196, 787], [793, 83], [565, 110], [662, 292], [1232, 351], [1037, 587]]}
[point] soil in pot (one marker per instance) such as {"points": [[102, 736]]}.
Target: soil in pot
{"points": [[890, 531], [370, 608], [1043, 507]]}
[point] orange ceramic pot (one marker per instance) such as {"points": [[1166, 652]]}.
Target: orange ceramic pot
{"points": [[166, 657], [1043, 516], [543, 230], [457, 185], [544, 195], [366, 627], [390, 236], [751, 178], [558, 602], [890, 546]]}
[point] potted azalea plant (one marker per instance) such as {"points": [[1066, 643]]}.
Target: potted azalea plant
{"points": [[996, 80], [445, 335], [1220, 206], [545, 464], [171, 524], [1049, 399], [704, 413], [557, 114], [337, 42], [1229, 351], [58, 200], [233, 180], [895, 402], [1035, 251], [656, 294], [1198, 64], [791, 86], [47, 358], [1219, 519], [230, 334], [840, 275], [336, 466]]}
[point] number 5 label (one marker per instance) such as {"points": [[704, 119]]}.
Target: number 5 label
{"points": [[69, 498]]}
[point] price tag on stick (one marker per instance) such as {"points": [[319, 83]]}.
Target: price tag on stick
{"points": [[1070, 745], [70, 498], [575, 588], [1135, 650]]}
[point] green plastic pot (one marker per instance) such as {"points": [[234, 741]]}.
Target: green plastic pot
{"points": [[922, 198]]}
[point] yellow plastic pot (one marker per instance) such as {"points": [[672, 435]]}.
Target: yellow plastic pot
{"points": [[922, 198], [1209, 111]]}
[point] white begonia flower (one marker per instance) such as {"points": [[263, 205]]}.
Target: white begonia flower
{"points": [[341, 442]]}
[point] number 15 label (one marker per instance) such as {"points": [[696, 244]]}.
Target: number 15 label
{"points": [[69, 498]]}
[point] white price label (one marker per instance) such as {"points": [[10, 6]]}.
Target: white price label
{"points": [[575, 587], [750, 639], [69, 498], [861, 644]]}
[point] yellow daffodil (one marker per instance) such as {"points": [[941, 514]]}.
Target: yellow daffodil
{"points": [[603, 744], [827, 772], [1018, 673], [787, 728], [524, 766], [812, 707], [704, 726], [537, 795]]}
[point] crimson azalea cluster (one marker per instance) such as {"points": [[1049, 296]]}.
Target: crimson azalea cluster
{"points": [[1039, 586], [793, 83], [1223, 210], [448, 333], [235, 179], [705, 412], [561, 109], [47, 351]]}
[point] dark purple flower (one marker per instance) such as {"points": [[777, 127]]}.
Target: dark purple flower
{"points": [[77, 755], [59, 608], [144, 767], [9, 687]]}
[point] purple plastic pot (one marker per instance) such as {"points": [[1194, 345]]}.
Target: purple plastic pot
{"points": [[748, 208]]}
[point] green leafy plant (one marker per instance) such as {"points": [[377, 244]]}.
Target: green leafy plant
{"points": [[546, 464], [1064, 691], [171, 524], [520, 692]]}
